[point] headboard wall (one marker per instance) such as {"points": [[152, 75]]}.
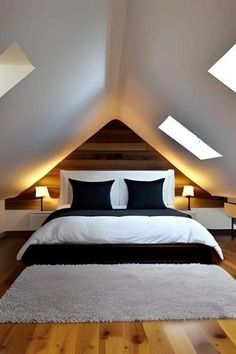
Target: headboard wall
{"points": [[117, 148], [119, 191]]}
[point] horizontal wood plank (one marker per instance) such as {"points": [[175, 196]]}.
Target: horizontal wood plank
{"points": [[114, 146]]}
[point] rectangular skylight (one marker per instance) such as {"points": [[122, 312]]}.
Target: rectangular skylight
{"points": [[225, 69], [14, 67], [187, 139]]}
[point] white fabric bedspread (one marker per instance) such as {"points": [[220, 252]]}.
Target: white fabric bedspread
{"points": [[124, 229]]}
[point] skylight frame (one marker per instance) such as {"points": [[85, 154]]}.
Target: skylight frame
{"points": [[224, 69], [187, 139]]}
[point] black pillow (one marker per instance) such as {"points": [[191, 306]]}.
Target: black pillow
{"points": [[145, 195], [91, 195]]}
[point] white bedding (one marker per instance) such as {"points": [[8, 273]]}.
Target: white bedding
{"points": [[124, 229]]}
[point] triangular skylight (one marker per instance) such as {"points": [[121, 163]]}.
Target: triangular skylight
{"points": [[225, 69], [187, 139], [14, 67]]}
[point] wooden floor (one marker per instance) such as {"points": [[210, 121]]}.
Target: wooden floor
{"points": [[164, 337]]}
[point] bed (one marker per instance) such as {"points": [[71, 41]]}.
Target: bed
{"points": [[119, 234]]}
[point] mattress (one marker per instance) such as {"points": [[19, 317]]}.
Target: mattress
{"points": [[159, 226]]}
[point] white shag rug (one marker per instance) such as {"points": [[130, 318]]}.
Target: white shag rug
{"points": [[128, 292]]}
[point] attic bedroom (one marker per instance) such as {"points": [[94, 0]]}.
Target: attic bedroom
{"points": [[118, 194]]}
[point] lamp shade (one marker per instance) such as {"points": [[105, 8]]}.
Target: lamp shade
{"points": [[188, 191], [41, 191]]}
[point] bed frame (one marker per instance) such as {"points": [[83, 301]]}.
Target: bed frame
{"points": [[119, 253]]}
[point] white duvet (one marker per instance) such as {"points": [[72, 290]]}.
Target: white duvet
{"points": [[123, 229]]}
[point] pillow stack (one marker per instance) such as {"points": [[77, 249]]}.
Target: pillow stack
{"points": [[97, 195]]}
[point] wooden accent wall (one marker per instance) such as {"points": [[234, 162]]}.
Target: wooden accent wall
{"points": [[114, 147]]}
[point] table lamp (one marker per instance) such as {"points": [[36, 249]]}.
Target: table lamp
{"points": [[41, 192], [188, 192]]}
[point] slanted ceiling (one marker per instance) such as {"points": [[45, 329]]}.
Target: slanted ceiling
{"points": [[135, 60]]}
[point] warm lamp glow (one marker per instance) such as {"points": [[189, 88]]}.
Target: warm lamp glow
{"points": [[188, 191], [41, 191]]}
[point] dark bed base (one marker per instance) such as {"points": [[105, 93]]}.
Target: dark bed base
{"points": [[119, 253]]}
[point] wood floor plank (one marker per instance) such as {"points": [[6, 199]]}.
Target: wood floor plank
{"points": [[178, 338], [40, 340], [10, 268], [157, 338], [198, 338], [66, 337], [217, 336], [9, 278], [16, 339], [230, 268], [111, 339], [87, 339], [229, 327], [135, 338]]}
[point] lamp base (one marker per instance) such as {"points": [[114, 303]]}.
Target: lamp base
{"points": [[41, 203], [189, 207]]}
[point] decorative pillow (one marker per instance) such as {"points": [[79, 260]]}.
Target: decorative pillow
{"points": [[145, 195], [91, 195]]}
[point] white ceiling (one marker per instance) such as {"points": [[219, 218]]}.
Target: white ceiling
{"points": [[135, 60]]}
